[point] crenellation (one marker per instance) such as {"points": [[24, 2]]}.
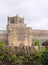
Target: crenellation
{"points": [[17, 33]]}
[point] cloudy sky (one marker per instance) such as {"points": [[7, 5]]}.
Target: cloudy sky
{"points": [[35, 12]]}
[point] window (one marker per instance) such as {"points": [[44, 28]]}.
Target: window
{"points": [[12, 21]]}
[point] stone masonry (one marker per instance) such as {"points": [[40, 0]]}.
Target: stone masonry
{"points": [[18, 34]]}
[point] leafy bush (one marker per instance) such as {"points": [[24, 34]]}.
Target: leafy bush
{"points": [[2, 45], [44, 57], [36, 42], [36, 58]]}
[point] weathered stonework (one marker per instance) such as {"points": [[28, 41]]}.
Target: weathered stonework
{"points": [[18, 34], [42, 35]]}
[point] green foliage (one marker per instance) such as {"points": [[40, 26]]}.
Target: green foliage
{"points": [[44, 57], [41, 51], [36, 42], [36, 58], [1, 57], [2, 45]]}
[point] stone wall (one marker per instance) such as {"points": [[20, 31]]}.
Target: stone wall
{"points": [[17, 30], [42, 35]]}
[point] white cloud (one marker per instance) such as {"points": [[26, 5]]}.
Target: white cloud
{"points": [[34, 11], [41, 24]]}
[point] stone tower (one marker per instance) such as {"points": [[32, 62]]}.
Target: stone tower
{"points": [[18, 33]]}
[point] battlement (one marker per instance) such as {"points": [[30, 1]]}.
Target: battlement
{"points": [[18, 33], [15, 20]]}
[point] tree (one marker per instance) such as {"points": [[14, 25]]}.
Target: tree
{"points": [[44, 57], [2, 45], [36, 42]]}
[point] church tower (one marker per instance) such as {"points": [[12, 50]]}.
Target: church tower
{"points": [[18, 33]]}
